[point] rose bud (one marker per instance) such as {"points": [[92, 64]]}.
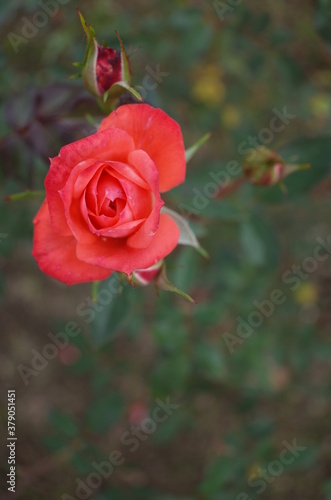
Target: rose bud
{"points": [[267, 168], [108, 68], [156, 274], [106, 71]]}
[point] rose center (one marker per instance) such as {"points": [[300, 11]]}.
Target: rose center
{"points": [[112, 205]]}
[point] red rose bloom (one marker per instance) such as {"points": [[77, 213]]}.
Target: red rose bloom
{"points": [[102, 207]]}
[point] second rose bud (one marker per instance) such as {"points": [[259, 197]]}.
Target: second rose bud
{"points": [[106, 71]]}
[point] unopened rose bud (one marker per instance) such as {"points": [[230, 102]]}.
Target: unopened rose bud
{"points": [[108, 68], [156, 274], [106, 71], [268, 168]]}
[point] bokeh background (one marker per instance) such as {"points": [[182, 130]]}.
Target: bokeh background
{"points": [[237, 407]]}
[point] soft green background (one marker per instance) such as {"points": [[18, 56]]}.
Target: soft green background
{"points": [[236, 409]]}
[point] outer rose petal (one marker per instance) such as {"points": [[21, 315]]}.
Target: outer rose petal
{"points": [[116, 255], [56, 255], [144, 235], [156, 133], [112, 144]]}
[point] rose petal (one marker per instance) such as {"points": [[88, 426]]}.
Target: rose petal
{"points": [[56, 255], [143, 237], [156, 133], [114, 254], [71, 195], [108, 190], [139, 200], [112, 144], [78, 215]]}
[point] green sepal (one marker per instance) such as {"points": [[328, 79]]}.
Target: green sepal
{"points": [[117, 89], [290, 168], [90, 35], [126, 69], [107, 101], [162, 282], [94, 291], [190, 152], [187, 236], [90, 59], [24, 195], [92, 121]]}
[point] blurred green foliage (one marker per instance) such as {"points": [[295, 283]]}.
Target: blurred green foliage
{"points": [[237, 406]]}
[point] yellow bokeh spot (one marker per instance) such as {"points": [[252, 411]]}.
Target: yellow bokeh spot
{"points": [[253, 471], [320, 105], [207, 86], [230, 116], [306, 294]]}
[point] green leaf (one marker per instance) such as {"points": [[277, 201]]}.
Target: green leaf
{"points": [[63, 422], [323, 19], [105, 412], [25, 195], [260, 427], [81, 463], [162, 496], [171, 375], [307, 458], [259, 243], [112, 310], [187, 236], [327, 489], [252, 244], [220, 472], [209, 360], [168, 430], [171, 337], [54, 442], [189, 153], [222, 210], [186, 268]]}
